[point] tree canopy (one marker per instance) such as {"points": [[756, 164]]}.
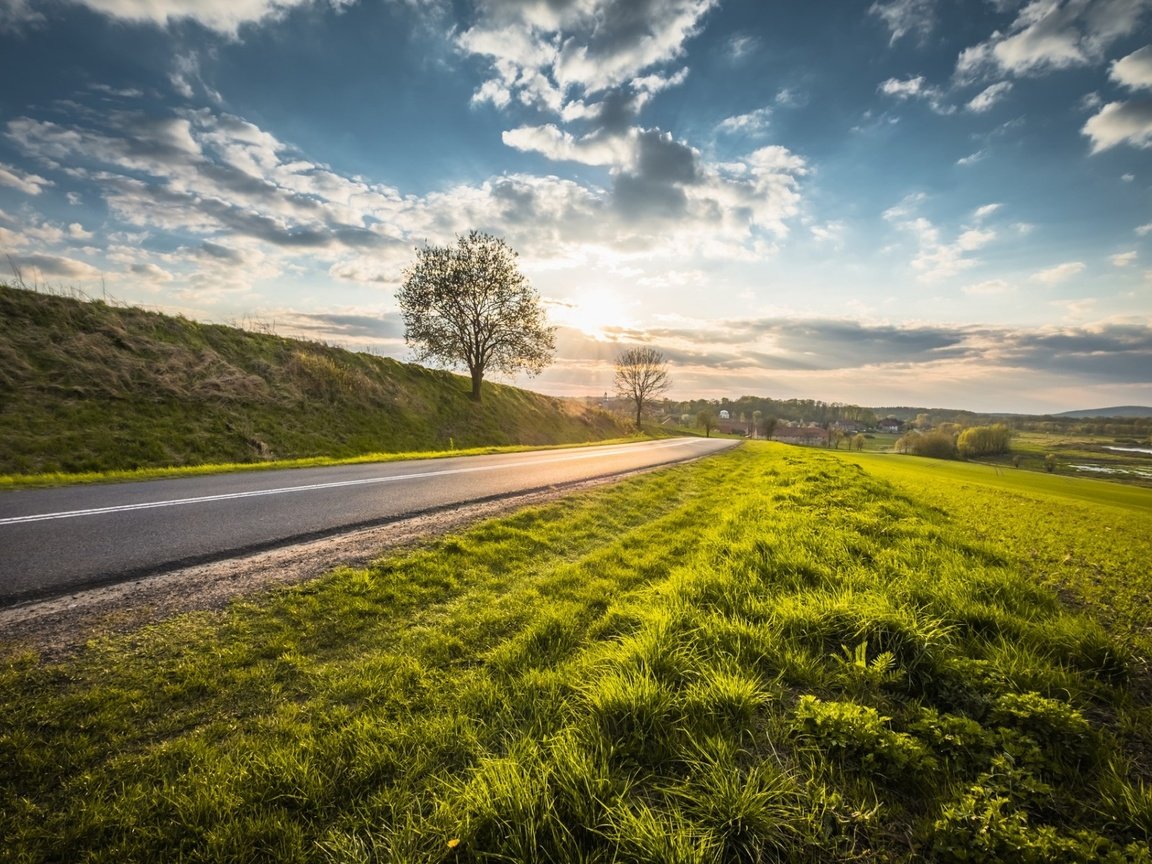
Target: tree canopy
{"points": [[469, 305], [641, 375]]}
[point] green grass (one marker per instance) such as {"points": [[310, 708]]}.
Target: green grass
{"points": [[1089, 539], [93, 388], [771, 655], [25, 481]]}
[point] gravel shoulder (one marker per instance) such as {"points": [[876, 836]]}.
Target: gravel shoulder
{"points": [[60, 626]]}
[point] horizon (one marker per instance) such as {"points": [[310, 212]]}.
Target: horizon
{"points": [[901, 203]]}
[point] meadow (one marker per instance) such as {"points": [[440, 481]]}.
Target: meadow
{"points": [[776, 654]]}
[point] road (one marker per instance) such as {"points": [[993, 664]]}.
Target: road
{"points": [[53, 541]]}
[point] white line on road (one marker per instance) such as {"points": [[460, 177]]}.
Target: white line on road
{"points": [[592, 453]]}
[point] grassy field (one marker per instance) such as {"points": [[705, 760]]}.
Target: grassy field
{"points": [[93, 387], [778, 654]]}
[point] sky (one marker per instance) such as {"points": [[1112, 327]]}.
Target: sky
{"points": [[943, 203]]}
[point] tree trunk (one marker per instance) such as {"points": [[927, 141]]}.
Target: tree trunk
{"points": [[477, 380], [639, 408]]}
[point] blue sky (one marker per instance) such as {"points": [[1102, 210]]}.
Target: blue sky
{"points": [[919, 202]]}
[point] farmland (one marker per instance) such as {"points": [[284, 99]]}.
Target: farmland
{"points": [[777, 654]]}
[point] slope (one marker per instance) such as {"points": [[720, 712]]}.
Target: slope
{"points": [[88, 386]]}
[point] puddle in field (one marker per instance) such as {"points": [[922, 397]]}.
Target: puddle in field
{"points": [[1130, 450], [1103, 469]]}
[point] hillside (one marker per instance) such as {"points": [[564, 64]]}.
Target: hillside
{"points": [[1116, 411], [87, 386]]}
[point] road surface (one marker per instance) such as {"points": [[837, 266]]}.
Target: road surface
{"points": [[53, 541]]}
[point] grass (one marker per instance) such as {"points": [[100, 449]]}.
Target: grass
{"points": [[86, 387], [771, 655], [1087, 538], [27, 481]]}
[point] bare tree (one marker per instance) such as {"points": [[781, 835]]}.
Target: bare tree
{"points": [[470, 305], [641, 375]]}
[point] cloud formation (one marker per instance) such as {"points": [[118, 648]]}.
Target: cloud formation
{"points": [[29, 184], [547, 53], [1047, 35], [1121, 123], [906, 17], [1059, 273], [1119, 350], [224, 16]]}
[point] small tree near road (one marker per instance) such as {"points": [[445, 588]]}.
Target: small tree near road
{"points": [[641, 375], [708, 420], [470, 305]]}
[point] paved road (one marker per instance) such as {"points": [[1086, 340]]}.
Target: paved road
{"points": [[57, 540]]}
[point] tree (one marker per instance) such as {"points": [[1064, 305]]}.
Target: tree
{"points": [[708, 420], [470, 305], [768, 427], [641, 375]]}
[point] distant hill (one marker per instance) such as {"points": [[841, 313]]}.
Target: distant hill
{"points": [[87, 386], [1118, 411]]}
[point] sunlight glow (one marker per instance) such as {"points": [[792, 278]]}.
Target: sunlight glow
{"points": [[594, 311]]}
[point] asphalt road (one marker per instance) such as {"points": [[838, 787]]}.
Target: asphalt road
{"points": [[53, 541]]}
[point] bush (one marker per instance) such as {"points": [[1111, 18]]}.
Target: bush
{"points": [[935, 445], [984, 440]]}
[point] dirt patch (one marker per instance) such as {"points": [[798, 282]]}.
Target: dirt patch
{"points": [[59, 626]]}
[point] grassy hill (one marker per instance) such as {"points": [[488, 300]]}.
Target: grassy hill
{"points": [[86, 386]]}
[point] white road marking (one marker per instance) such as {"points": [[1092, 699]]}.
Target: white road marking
{"points": [[591, 453]]}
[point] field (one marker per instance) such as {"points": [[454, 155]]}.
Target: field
{"points": [[778, 654]]}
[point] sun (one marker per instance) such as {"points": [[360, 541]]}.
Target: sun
{"points": [[593, 312]]}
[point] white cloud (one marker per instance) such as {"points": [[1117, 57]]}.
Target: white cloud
{"points": [[76, 232], [741, 45], [1135, 70], [905, 89], [972, 158], [937, 259], [241, 206], [989, 96], [1128, 178], [752, 123], [1121, 123], [151, 272], [916, 88], [1144, 230], [558, 145], [543, 53], [987, 288], [29, 184], [983, 212], [1090, 102], [37, 267], [1123, 259], [829, 232], [225, 16], [1059, 273], [1053, 34], [903, 17]]}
